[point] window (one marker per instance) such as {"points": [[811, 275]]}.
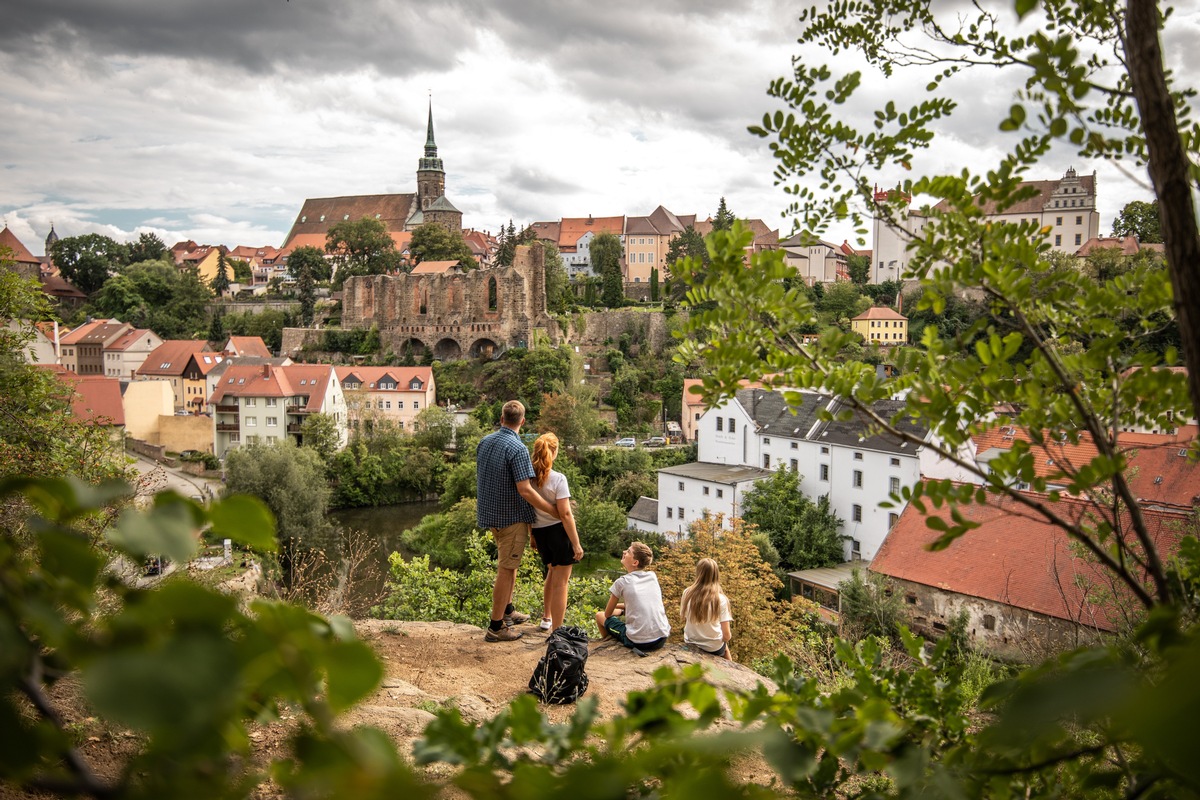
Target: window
{"points": [[272, 439], [894, 485], [766, 460], [720, 493], [858, 456], [679, 512], [272, 402], [1057, 240], [732, 425], [895, 462], [858, 479], [893, 518], [416, 404], [706, 491], [681, 486], [795, 445], [250, 402], [720, 424], [1079, 238], [857, 513], [824, 451], [400, 404], [766, 442], [824, 472], [1079, 220], [911, 599], [989, 622], [670, 513], [795, 465], [272, 422], [1058, 220], [251, 422]]}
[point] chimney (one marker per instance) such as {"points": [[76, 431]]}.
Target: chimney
{"points": [[266, 371]]}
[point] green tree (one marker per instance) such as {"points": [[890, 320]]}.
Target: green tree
{"points": [[558, 286], [291, 481], [220, 281], [434, 242], [1139, 218], [606, 250], [86, 261], [723, 219], [241, 271], [39, 433], [571, 416], [600, 523], [444, 537], [806, 535], [319, 433], [859, 268], [156, 295], [360, 247], [433, 428], [304, 264], [148, 247]]}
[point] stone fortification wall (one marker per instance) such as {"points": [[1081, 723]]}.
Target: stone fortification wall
{"points": [[602, 329], [460, 314]]}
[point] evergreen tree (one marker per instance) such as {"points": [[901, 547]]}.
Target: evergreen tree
{"points": [[654, 284], [723, 220], [606, 262], [303, 264], [220, 281]]}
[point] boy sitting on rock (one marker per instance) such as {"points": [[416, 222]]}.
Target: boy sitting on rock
{"points": [[637, 596]]}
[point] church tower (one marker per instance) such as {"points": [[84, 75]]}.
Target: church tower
{"points": [[431, 178]]}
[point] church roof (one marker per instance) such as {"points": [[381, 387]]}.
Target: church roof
{"points": [[20, 253], [319, 214], [442, 204]]}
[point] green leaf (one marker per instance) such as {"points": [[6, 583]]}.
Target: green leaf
{"points": [[167, 530], [244, 519], [353, 673]]}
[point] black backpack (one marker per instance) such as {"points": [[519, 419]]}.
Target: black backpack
{"points": [[559, 677]]}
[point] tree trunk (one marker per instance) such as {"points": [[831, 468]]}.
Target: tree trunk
{"points": [[1170, 173]]}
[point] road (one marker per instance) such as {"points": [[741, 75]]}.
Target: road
{"points": [[165, 477]]}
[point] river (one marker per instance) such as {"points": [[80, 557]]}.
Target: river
{"points": [[385, 524]]}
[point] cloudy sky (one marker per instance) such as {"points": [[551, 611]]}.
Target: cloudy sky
{"points": [[214, 120]]}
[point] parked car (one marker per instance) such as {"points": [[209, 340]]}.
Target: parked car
{"points": [[655, 441], [628, 441]]}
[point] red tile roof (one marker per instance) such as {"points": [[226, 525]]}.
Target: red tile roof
{"points": [[172, 356], [129, 339], [20, 253], [881, 312], [265, 380], [247, 346], [367, 376], [1013, 559], [319, 214], [1127, 245], [96, 399], [573, 229], [1043, 191], [96, 332], [55, 286], [434, 267]]}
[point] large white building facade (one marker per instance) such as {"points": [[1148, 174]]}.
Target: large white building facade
{"points": [[757, 432], [1065, 209]]}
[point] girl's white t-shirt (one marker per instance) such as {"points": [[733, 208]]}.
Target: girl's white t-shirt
{"points": [[707, 636], [554, 489]]}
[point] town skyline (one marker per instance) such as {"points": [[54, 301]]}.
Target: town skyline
{"points": [[215, 125]]}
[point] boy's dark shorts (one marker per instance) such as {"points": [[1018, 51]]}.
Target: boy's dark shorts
{"points": [[616, 626]]}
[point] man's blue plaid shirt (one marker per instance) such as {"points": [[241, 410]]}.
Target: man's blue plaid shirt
{"points": [[501, 461]]}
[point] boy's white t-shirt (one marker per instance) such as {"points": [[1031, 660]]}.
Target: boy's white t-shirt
{"points": [[645, 616], [554, 489], [707, 635]]}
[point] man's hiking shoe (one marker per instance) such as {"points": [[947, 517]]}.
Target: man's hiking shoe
{"points": [[505, 634], [515, 618]]}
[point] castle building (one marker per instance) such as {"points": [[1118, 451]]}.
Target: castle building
{"points": [[401, 213]]}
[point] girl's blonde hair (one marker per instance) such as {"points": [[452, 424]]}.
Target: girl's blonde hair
{"points": [[545, 449], [702, 600]]}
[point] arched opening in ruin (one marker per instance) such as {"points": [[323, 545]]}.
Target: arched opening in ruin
{"points": [[484, 348], [447, 350], [412, 352]]}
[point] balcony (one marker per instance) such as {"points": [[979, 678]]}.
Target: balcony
{"points": [[228, 427], [294, 427], [227, 409]]}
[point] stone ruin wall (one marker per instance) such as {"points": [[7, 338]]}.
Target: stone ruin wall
{"points": [[437, 310]]}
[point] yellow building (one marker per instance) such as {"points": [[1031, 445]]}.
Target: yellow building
{"points": [[879, 325]]}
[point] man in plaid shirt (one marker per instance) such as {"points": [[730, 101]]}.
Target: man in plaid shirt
{"points": [[505, 498]]}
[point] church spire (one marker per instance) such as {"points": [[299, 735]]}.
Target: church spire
{"points": [[430, 144]]}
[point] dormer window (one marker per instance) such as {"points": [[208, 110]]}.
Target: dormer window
{"points": [[164, 365], [345, 217], [416, 384], [322, 218]]}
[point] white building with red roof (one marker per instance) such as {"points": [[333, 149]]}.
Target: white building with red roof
{"points": [[124, 356], [243, 346], [392, 394], [263, 403], [83, 348]]}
